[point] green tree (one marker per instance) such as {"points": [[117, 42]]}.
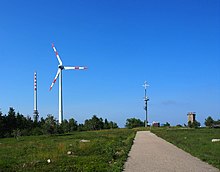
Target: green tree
{"points": [[217, 122], [106, 124], [195, 124], [92, 124], [2, 125], [133, 123], [167, 124], [50, 126], [209, 122], [72, 125], [81, 127], [11, 123], [65, 126], [41, 122], [109, 125], [113, 125]]}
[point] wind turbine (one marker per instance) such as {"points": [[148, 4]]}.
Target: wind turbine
{"points": [[59, 73]]}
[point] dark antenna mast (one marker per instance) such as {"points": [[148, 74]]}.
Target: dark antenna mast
{"points": [[145, 99]]}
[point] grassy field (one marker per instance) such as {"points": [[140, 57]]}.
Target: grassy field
{"points": [[102, 151], [88, 151], [195, 141]]}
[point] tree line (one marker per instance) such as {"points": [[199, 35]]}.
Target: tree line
{"points": [[15, 125], [211, 123]]}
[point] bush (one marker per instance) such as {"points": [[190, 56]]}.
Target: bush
{"points": [[134, 123], [209, 122], [195, 124]]}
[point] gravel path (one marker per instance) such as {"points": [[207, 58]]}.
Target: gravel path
{"points": [[153, 154]]}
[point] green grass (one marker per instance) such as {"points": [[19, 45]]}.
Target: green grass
{"points": [[195, 141], [106, 151]]}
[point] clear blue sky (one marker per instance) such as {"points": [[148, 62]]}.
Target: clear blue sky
{"points": [[174, 45]]}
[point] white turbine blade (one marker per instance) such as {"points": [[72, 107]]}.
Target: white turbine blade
{"points": [[57, 55], [58, 72], [75, 67]]}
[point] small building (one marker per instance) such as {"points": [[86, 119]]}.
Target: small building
{"points": [[191, 117], [155, 124]]}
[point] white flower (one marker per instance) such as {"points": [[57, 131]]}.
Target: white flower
{"points": [[69, 153]]}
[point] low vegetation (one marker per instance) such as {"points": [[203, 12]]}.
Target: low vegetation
{"points": [[134, 123], [104, 150], [211, 123], [197, 142], [96, 145]]}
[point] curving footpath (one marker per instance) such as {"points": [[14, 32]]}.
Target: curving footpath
{"points": [[150, 153]]}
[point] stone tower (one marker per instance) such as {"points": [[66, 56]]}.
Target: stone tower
{"points": [[191, 117]]}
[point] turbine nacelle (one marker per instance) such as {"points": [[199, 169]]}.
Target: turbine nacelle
{"points": [[61, 67]]}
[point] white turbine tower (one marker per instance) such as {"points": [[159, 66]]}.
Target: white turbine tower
{"points": [[59, 73]]}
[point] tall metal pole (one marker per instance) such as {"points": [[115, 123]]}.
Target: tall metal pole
{"points": [[35, 98], [145, 99]]}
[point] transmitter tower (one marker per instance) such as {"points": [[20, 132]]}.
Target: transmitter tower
{"points": [[36, 114], [146, 99]]}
